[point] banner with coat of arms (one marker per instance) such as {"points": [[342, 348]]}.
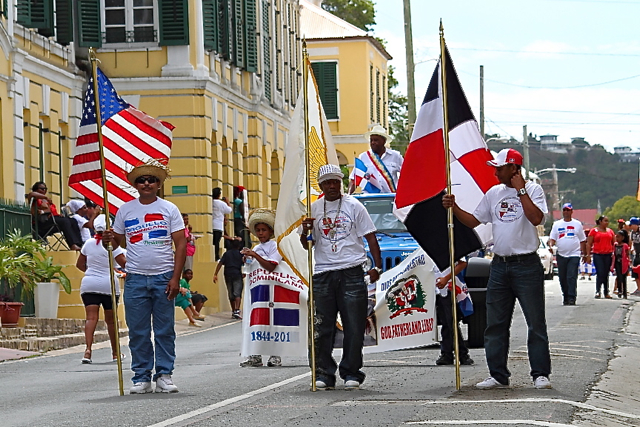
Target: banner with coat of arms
{"points": [[274, 320]]}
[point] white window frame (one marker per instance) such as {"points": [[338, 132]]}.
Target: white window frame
{"points": [[129, 26]]}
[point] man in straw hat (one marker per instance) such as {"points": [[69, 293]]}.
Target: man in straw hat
{"points": [[338, 223], [382, 164], [150, 226]]}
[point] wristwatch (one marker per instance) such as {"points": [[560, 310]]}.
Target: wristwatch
{"points": [[522, 192], [378, 269]]}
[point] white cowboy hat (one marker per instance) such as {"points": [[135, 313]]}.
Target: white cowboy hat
{"points": [[378, 130]]}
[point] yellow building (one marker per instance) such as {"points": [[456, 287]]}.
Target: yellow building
{"points": [[224, 72], [350, 67]]}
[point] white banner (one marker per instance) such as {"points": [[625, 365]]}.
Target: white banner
{"points": [[405, 306], [274, 320]]}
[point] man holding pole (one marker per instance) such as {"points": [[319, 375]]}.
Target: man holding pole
{"points": [[514, 208], [150, 226], [338, 279]]}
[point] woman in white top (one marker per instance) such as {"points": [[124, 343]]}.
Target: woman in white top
{"points": [[95, 288]]}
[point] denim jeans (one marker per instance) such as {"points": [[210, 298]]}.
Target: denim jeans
{"points": [[602, 263], [568, 275], [146, 305], [341, 291], [522, 279]]}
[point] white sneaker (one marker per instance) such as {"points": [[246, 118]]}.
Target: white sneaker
{"points": [[274, 361], [141, 388], [321, 385], [351, 385], [542, 382], [490, 383], [164, 384]]}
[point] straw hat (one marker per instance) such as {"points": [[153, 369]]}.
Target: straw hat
{"points": [[261, 216], [378, 130], [152, 167]]}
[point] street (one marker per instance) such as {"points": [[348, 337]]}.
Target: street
{"points": [[401, 388]]}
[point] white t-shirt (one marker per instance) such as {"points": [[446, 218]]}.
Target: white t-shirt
{"points": [[513, 233], [148, 229], [219, 209], [268, 251], [568, 235], [341, 247], [96, 278], [85, 234]]}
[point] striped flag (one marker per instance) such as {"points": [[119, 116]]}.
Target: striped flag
{"points": [[274, 305], [130, 138], [423, 176], [364, 179]]}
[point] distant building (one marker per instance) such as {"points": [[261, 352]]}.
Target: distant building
{"points": [[550, 143], [627, 155]]}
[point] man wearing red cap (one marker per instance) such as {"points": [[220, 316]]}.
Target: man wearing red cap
{"points": [[567, 233], [514, 208]]}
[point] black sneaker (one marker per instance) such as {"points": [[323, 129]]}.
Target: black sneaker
{"points": [[465, 359], [444, 359]]}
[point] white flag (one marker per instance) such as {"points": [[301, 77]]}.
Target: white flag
{"points": [[292, 199]]}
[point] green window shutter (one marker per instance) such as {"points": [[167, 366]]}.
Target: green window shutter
{"points": [[89, 26], [224, 29], [4, 8], [36, 14], [266, 49], [64, 21], [210, 24], [24, 13], [371, 94], [238, 34], [326, 78], [251, 42], [174, 22]]}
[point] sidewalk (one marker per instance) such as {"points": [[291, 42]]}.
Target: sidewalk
{"points": [[67, 335]]}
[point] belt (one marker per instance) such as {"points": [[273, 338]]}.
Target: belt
{"points": [[514, 258]]}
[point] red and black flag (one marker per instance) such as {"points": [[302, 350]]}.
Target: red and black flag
{"points": [[423, 178]]}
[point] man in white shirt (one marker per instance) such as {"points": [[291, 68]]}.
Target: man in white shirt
{"points": [[514, 208], [220, 208], [379, 167], [338, 223], [151, 227], [568, 235]]}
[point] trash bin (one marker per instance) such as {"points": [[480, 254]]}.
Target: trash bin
{"points": [[477, 277]]}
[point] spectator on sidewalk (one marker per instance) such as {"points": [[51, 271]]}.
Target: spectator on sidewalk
{"points": [[232, 262], [183, 299], [600, 243], [83, 217], [95, 287], [219, 208], [151, 226], [191, 243], [568, 235]]}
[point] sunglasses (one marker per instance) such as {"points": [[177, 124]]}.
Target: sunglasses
{"points": [[149, 179]]}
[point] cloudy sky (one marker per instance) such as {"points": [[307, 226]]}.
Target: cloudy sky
{"points": [[564, 67]]}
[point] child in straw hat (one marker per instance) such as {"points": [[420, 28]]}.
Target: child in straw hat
{"points": [[266, 254]]}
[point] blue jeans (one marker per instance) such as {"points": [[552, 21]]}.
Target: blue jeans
{"points": [[146, 304], [568, 275], [341, 291], [602, 263], [522, 279]]}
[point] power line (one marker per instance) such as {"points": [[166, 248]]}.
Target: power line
{"points": [[567, 111], [542, 52]]}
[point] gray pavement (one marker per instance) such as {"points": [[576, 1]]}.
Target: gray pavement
{"points": [[594, 353]]}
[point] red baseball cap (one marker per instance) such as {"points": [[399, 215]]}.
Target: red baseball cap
{"points": [[505, 157]]}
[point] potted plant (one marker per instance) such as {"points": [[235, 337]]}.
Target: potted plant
{"points": [[47, 292], [23, 261]]}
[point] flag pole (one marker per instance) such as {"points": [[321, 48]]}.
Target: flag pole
{"points": [[452, 260], [105, 197], [312, 311]]}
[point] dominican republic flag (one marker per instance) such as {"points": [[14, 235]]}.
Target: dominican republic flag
{"points": [[423, 176], [364, 179], [274, 305], [463, 298], [130, 138], [569, 231]]}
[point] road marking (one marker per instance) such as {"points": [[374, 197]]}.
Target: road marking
{"points": [[466, 402], [489, 422], [228, 402]]}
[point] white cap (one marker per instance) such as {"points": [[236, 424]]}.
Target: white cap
{"points": [[100, 223], [327, 172], [75, 205]]}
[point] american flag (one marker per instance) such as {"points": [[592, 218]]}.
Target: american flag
{"points": [[130, 138]]}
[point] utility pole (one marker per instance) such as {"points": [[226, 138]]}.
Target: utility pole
{"points": [[408, 47], [482, 101], [555, 193], [525, 147]]}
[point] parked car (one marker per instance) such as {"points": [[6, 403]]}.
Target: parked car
{"points": [[546, 257]]}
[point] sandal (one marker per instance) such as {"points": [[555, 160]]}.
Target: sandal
{"points": [[87, 360]]}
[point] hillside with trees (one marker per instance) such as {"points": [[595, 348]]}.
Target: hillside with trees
{"points": [[599, 174]]}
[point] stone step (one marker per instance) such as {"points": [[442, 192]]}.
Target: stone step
{"points": [[42, 344]]}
